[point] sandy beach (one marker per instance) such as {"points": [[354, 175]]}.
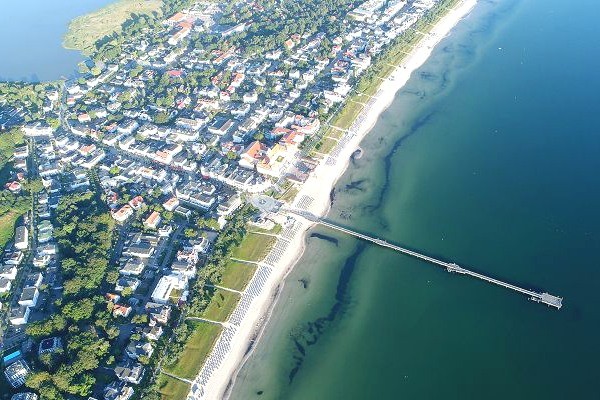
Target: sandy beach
{"points": [[252, 312]]}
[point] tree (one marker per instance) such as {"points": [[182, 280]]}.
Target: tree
{"points": [[139, 319], [161, 118], [79, 310], [144, 359], [190, 233], [36, 380], [53, 122], [112, 277]]}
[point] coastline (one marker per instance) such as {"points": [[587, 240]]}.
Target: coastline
{"points": [[217, 376]]}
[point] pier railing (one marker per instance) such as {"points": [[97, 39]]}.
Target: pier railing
{"points": [[544, 297]]}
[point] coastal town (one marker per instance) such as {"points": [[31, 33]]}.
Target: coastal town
{"points": [[146, 196]]}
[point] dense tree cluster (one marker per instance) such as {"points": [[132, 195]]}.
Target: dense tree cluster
{"points": [[280, 19], [84, 233], [28, 98]]}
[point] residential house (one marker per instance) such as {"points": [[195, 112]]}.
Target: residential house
{"points": [[120, 310], [166, 285], [122, 214], [19, 315], [118, 391], [16, 373], [21, 238], [49, 345], [29, 297], [153, 220], [158, 312], [130, 371], [136, 349]]}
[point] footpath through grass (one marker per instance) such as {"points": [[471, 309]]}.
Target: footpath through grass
{"points": [[236, 275], [254, 247], [85, 30], [194, 354], [172, 389]]}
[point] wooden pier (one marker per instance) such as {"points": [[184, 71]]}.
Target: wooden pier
{"points": [[538, 297]]}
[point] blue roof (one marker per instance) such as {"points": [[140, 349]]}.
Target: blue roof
{"points": [[11, 356]]}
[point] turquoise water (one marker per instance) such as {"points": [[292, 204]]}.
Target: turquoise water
{"points": [[31, 33], [489, 157]]}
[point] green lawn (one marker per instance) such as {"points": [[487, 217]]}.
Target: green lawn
{"points": [[274, 231], [326, 145], [85, 30], [336, 133], [290, 194], [172, 389], [236, 275], [221, 305], [348, 114], [196, 350], [7, 227], [254, 247]]}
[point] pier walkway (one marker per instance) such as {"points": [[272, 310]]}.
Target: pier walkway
{"points": [[544, 297]]}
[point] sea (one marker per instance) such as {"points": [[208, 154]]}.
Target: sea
{"points": [[31, 35], [489, 157]]}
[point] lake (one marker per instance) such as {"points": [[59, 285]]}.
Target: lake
{"points": [[31, 33]]}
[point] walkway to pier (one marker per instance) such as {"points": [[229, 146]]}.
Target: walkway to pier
{"points": [[545, 298]]}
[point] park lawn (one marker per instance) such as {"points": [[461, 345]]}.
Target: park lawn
{"points": [[171, 388], [347, 115], [221, 305], [7, 227], [254, 247], [273, 231], [326, 145], [199, 344], [290, 194], [335, 133], [236, 275], [85, 30]]}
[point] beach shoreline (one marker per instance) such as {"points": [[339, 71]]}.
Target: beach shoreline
{"points": [[314, 196]]}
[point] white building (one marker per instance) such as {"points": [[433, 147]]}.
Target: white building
{"points": [[166, 285], [21, 238]]}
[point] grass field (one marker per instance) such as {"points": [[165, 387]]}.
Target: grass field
{"points": [[274, 231], [254, 247], [7, 227], [236, 275], [326, 145], [172, 389], [221, 305], [195, 352], [333, 133], [85, 30], [347, 116], [290, 194]]}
